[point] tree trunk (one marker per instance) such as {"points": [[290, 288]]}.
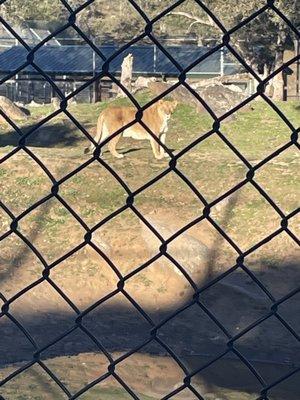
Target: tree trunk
{"points": [[266, 72], [277, 82], [126, 75]]}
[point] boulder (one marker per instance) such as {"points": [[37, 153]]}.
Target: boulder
{"points": [[34, 104], [142, 82], [220, 98], [190, 253], [14, 112], [56, 103]]}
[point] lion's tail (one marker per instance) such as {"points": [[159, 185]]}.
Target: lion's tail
{"points": [[98, 135]]}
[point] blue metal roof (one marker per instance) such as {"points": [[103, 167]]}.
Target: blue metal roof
{"points": [[185, 56], [78, 60]]}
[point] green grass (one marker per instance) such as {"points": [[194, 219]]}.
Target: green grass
{"points": [[253, 132], [35, 384], [26, 181], [211, 166], [3, 172], [142, 278]]}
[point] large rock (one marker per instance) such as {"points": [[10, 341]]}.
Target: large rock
{"points": [[142, 82], [191, 254], [14, 112], [218, 97]]}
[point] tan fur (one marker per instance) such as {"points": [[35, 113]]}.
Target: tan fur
{"points": [[155, 118]]}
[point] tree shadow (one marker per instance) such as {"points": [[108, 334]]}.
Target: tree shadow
{"points": [[58, 134]]}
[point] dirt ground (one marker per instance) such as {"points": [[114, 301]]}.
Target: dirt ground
{"points": [[149, 377], [126, 244]]}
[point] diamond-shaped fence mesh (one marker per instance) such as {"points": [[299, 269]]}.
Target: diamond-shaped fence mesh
{"points": [[196, 299]]}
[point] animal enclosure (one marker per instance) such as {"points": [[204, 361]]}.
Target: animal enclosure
{"points": [[139, 278]]}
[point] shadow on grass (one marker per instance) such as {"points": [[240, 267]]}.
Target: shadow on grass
{"points": [[60, 134]]}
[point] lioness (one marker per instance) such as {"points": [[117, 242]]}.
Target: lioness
{"points": [[155, 117]]}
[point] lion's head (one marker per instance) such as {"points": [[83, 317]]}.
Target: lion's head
{"points": [[167, 106]]}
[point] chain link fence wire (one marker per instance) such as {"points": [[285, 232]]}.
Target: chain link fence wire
{"points": [[154, 328]]}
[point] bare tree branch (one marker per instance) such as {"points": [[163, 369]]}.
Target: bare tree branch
{"points": [[197, 20]]}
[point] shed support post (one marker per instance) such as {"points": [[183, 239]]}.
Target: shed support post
{"points": [[95, 83], [95, 91], [222, 62]]}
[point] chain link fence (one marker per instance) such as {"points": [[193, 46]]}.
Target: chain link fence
{"points": [[162, 251]]}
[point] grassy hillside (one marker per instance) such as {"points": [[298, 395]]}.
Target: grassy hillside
{"points": [[211, 166]]}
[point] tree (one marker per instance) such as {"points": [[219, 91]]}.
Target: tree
{"points": [[261, 42], [291, 9], [19, 12], [126, 75], [117, 20]]}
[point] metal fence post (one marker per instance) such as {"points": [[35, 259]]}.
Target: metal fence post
{"points": [[222, 61], [95, 83], [154, 58]]}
